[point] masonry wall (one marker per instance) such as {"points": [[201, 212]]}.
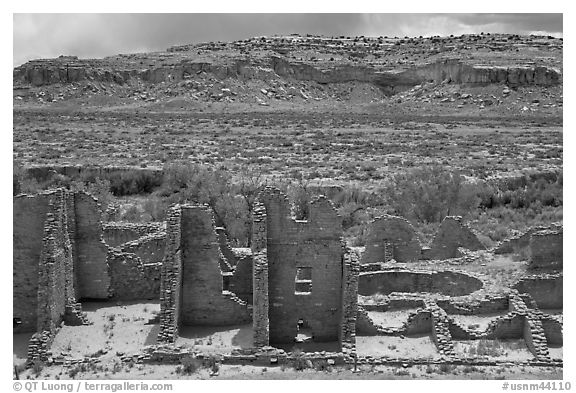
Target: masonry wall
{"points": [[394, 231], [311, 244], [149, 248], [260, 299], [229, 260], [241, 280], [349, 303], [44, 294], [444, 282], [171, 278], [546, 249], [29, 215], [522, 241], [451, 235], [546, 290], [130, 279], [117, 233], [203, 299], [93, 280], [55, 282]]}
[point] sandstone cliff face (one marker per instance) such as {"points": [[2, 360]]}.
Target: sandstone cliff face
{"points": [[263, 62], [40, 73], [454, 71]]}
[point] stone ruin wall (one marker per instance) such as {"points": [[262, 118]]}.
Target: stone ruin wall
{"points": [[44, 270], [260, 299], [171, 278], [313, 244], [545, 289], [55, 277], [542, 245], [97, 271], [130, 279], [191, 282], [229, 260], [91, 265], [446, 282], [29, 216], [118, 233], [392, 231], [203, 299], [390, 237], [241, 280], [349, 306], [451, 235], [546, 249], [52, 216]]}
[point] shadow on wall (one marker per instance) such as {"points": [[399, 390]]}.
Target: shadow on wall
{"points": [[443, 282], [152, 335], [242, 334]]}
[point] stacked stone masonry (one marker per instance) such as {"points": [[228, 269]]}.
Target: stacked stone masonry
{"points": [[48, 277], [452, 234], [296, 272], [395, 233], [313, 246], [546, 249], [118, 233]]}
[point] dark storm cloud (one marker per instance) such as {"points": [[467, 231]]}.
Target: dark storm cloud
{"points": [[515, 22], [98, 35]]}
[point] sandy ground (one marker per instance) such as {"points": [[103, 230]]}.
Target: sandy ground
{"points": [[390, 318], [216, 339], [413, 347], [169, 372], [123, 329], [115, 329], [555, 352], [512, 350]]}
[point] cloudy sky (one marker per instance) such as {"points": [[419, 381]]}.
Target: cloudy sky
{"points": [[98, 35]]}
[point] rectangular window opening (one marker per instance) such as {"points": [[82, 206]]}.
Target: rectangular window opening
{"points": [[303, 281]]}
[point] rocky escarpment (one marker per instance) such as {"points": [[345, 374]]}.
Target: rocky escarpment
{"points": [[308, 59], [46, 72]]}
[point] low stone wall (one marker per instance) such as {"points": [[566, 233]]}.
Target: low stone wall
{"points": [[149, 248], [444, 282], [546, 249], [535, 338], [475, 306], [521, 242], [131, 279], [545, 289], [117, 233]]}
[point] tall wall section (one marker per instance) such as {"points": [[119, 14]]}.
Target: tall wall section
{"points": [[171, 278], [29, 216], [203, 299], [260, 301], [91, 264], [305, 269], [55, 277]]}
